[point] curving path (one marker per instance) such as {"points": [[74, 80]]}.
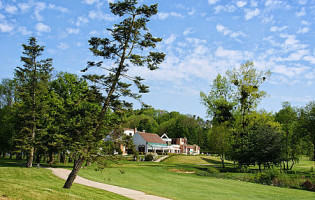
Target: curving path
{"points": [[161, 158], [132, 194]]}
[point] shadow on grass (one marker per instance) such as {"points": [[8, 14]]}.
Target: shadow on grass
{"points": [[4, 162], [212, 161]]}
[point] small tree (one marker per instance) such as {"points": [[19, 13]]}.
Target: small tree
{"points": [[128, 38], [306, 124], [220, 106], [7, 95], [287, 117]]}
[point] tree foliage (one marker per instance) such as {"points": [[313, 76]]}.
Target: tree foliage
{"points": [[32, 89], [128, 45]]}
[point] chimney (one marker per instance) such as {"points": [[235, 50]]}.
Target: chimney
{"points": [[143, 131], [135, 130]]}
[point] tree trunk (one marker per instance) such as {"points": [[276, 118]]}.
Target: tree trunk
{"points": [[76, 167], [222, 160], [30, 158], [38, 157], [62, 158], [292, 164], [88, 163], [51, 157]]}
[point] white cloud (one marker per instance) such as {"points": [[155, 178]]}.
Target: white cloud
{"points": [[40, 6], [275, 4], [79, 44], [170, 39], [73, 30], [98, 3], [221, 52], [90, 2], [195, 41], [40, 27], [5, 27], [11, 9], [251, 13], [302, 2], [2, 17], [24, 30], [301, 13], [94, 33], [303, 30], [93, 14], [58, 8], [296, 56], [278, 29], [289, 71], [63, 46], [227, 8], [310, 59], [24, 7], [241, 4], [188, 31], [222, 29], [253, 3], [211, 2], [291, 43], [305, 23], [192, 11], [81, 20], [310, 75], [164, 15]]}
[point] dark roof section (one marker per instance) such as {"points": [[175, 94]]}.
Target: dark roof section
{"points": [[151, 137]]}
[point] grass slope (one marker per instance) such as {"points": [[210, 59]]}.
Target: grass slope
{"points": [[156, 179], [18, 182]]}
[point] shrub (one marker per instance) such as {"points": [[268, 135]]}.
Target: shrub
{"points": [[266, 177], [213, 171], [151, 156]]}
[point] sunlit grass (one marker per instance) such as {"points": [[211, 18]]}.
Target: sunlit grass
{"points": [[17, 182], [159, 179]]}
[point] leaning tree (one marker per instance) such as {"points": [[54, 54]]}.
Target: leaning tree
{"points": [[130, 44]]}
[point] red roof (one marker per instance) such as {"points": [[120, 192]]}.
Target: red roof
{"points": [[151, 137]]}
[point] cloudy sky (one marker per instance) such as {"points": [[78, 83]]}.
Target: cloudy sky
{"points": [[201, 38]]}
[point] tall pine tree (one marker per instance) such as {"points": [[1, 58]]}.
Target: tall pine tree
{"points": [[32, 88]]}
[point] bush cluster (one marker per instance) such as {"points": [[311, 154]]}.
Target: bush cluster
{"points": [[151, 156]]}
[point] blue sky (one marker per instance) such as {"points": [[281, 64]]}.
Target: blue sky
{"points": [[200, 37]]}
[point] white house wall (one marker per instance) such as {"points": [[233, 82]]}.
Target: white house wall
{"points": [[138, 140], [129, 132]]}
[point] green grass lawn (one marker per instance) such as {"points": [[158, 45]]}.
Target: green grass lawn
{"points": [[18, 182], [159, 179]]}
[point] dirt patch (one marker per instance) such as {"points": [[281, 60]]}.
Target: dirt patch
{"points": [[182, 171], [3, 197]]}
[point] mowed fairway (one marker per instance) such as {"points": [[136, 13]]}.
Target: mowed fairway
{"points": [[199, 160], [18, 182], [159, 179]]}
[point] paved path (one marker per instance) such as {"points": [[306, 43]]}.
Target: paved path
{"points": [[132, 194], [160, 159]]}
